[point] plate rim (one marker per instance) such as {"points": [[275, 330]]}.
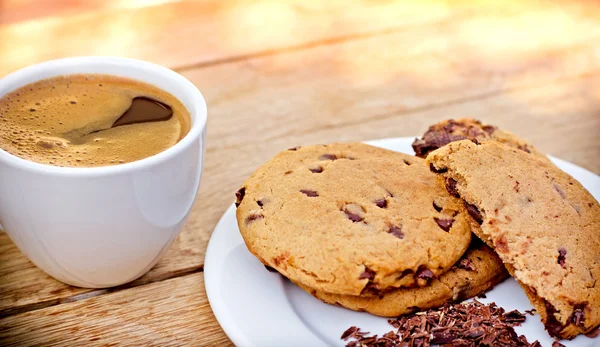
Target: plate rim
{"points": [[228, 325]]}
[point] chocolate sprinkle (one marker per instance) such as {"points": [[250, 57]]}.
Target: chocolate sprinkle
{"points": [[468, 324]]}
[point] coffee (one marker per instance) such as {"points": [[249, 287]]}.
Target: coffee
{"points": [[90, 120]]}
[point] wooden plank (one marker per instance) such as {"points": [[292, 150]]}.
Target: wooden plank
{"points": [[174, 312], [20, 10], [566, 113], [386, 85], [189, 33]]}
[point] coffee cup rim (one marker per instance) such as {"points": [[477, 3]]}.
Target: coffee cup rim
{"points": [[78, 64]]}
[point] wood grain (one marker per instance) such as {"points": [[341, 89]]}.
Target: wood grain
{"points": [[386, 85], [191, 33], [173, 312]]}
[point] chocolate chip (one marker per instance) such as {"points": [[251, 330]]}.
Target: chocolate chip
{"points": [[475, 141], [489, 129], [559, 190], [474, 212], [557, 344], [310, 193], [406, 162], [287, 172], [381, 203], [552, 324], [436, 207], [396, 231], [424, 273], [445, 224], [451, 187], [354, 212], [253, 217], [438, 171], [465, 264], [328, 157], [239, 196], [317, 169], [562, 255], [578, 315], [259, 203], [294, 148], [524, 148], [368, 274]]}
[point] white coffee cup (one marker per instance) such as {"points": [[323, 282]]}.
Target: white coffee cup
{"points": [[103, 226]]}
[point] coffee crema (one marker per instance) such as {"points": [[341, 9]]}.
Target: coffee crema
{"points": [[90, 120]]}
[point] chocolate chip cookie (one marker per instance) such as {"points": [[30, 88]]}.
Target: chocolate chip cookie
{"points": [[542, 223], [476, 272], [442, 133], [343, 218]]}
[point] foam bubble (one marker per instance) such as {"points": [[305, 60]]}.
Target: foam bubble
{"points": [[47, 117]]}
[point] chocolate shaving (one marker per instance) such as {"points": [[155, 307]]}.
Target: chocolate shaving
{"points": [[467, 324]]}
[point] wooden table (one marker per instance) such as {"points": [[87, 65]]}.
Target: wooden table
{"points": [[277, 74]]}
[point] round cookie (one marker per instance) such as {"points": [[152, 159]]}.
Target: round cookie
{"points": [[344, 217], [444, 132], [542, 223], [479, 270]]}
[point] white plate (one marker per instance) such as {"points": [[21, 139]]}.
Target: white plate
{"points": [[259, 308]]}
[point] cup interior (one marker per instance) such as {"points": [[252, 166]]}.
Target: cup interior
{"points": [[159, 76]]}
